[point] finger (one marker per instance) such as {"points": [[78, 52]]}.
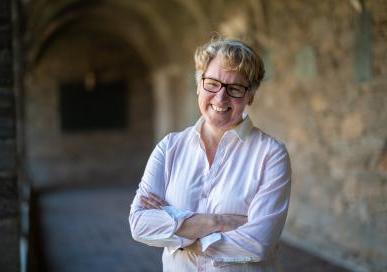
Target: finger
{"points": [[157, 199], [150, 204], [154, 201], [144, 205]]}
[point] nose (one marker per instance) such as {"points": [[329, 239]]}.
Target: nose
{"points": [[222, 94]]}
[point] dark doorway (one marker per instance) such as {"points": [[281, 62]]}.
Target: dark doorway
{"points": [[98, 107]]}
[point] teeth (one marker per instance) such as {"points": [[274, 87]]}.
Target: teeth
{"points": [[218, 108]]}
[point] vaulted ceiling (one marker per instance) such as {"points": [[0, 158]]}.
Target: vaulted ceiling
{"points": [[152, 29]]}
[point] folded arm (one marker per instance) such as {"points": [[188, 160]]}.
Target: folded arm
{"points": [[225, 238], [255, 240], [154, 222], [198, 225], [156, 226]]}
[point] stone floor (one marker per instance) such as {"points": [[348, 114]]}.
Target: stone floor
{"points": [[87, 230]]}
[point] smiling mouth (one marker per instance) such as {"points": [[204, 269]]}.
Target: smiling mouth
{"points": [[219, 109]]}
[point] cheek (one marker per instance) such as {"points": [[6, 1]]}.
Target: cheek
{"points": [[240, 107], [201, 102], [203, 99]]}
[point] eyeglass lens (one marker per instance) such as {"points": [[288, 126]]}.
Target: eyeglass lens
{"points": [[214, 86]]}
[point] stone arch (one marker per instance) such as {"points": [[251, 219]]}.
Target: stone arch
{"points": [[55, 37]]}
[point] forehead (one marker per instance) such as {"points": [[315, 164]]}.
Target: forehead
{"points": [[218, 69]]}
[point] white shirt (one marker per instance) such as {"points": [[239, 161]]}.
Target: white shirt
{"points": [[250, 175]]}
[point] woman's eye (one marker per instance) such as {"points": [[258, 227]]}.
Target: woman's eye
{"points": [[212, 84], [235, 89]]}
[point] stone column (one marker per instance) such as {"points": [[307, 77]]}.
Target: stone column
{"points": [[9, 215], [164, 102]]}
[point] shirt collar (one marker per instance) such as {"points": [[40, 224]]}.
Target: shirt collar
{"points": [[242, 130]]}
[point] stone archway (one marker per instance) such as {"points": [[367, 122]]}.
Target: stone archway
{"points": [[56, 155], [135, 41]]}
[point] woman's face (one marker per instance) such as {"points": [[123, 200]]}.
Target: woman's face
{"points": [[220, 111]]}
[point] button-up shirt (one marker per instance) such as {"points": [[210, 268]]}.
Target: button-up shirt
{"points": [[250, 176]]}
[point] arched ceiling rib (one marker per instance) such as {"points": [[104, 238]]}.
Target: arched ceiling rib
{"points": [[42, 12], [133, 29], [156, 20], [97, 33], [196, 11]]}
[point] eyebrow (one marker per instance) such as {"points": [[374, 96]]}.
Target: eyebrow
{"points": [[239, 84]]}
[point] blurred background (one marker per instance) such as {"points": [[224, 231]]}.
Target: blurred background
{"points": [[87, 87]]}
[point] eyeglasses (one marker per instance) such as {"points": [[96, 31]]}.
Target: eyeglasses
{"points": [[234, 90]]}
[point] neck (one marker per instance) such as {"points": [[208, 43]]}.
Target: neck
{"points": [[211, 135]]}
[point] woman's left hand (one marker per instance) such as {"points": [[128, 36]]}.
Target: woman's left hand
{"points": [[152, 201]]}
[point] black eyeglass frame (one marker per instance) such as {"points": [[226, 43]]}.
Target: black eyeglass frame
{"points": [[225, 85]]}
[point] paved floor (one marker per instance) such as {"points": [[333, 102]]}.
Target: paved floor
{"points": [[87, 230]]}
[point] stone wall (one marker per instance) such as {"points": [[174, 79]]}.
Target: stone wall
{"points": [[325, 97], [9, 216]]}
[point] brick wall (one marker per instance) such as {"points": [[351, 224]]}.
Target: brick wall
{"points": [[9, 225]]}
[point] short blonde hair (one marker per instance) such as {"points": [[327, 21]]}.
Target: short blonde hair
{"points": [[235, 54]]}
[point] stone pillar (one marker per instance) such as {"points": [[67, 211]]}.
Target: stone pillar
{"points": [[9, 215], [164, 102], [175, 100]]}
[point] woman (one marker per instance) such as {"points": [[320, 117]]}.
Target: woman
{"points": [[216, 195]]}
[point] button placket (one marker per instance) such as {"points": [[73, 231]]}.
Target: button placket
{"points": [[203, 195], [210, 174], [219, 156]]}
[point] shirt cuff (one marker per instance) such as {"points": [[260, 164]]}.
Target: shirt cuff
{"points": [[184, 242], [178, 215], [210, 239], [221, 261]]}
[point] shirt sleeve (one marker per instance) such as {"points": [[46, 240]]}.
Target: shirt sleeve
{"points": [[157, 227], [257, 239]]}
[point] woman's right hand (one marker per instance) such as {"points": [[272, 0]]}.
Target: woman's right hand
{"points": [[152, 201]]}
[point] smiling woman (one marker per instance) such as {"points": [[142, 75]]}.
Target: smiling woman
{"points": [[216, 195], [221, 111]]}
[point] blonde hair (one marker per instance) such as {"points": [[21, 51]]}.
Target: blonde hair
{"points": [[235, 55]]}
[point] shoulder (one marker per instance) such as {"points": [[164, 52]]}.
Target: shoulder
{"points": [[177, 138], [270, 144], [258, 135]]}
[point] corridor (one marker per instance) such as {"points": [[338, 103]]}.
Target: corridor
{"points": [[87, 230], [89, 87]]}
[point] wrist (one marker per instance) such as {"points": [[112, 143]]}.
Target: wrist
{"points": [[210, 222], [217, 223]]}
